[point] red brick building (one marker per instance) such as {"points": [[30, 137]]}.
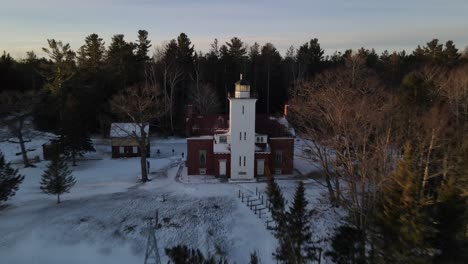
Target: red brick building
{"points": [[241, 145]]}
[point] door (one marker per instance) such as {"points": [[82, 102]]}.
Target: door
{"points": [[222, 168], [260, 167]]}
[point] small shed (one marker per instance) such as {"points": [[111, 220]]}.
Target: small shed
{"points": [[124, 140]]}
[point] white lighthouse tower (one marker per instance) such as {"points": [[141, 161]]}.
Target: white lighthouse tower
{"points": [[242, 132]]}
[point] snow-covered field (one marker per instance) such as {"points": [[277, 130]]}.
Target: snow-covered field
{"points": [[104, 217]]}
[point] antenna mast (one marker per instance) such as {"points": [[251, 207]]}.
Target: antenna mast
{"points": [[152, 250]]}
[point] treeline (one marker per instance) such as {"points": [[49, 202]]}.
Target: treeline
{"points": [[79, 84]]}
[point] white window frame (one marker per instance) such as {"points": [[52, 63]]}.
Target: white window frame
{"points": [[135, 149]]}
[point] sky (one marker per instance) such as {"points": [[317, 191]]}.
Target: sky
{"points": [[338, 24]]}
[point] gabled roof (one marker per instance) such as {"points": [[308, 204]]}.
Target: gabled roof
{"points": [[125, 130]]}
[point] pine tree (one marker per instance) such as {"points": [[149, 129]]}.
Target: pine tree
{"points": [[451, 215], [121, 60], [143, 45], [76, 143], [403, 222], [74, 138], [346, 246], [9, 180], [63, 67], [254, 258], [299, 227], [450, 53], [91, 54], [185, 255], [275, 197], [281, 232], [57, 178]]}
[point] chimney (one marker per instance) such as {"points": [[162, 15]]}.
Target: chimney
{"points": [[189, 111], [285, 112]]}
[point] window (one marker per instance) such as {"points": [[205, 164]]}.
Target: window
{"points": [[222, 139], [135, 149], [244, 161], [242, 109], [122, 150], [278, 157], [245, 135], [202, 157], [240, 161], [240, 135], [261, 139]]}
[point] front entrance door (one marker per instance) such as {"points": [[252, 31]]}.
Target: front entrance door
{"points": [[260, 167], [222, 168]]}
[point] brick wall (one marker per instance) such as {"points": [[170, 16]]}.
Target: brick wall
{"points": [[193, 161], [286, 146]]}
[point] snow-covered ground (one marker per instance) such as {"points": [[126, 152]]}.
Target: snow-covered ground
{"points": [[104, 217]]}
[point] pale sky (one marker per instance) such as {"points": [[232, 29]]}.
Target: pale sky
{"points": [[338, 24]]}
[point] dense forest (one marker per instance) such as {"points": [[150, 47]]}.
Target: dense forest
{"points": [[389, 130], [79, 84]]}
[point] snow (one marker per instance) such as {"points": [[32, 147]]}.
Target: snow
{"points": [[124, 130], [104, 217], [221, 148]]}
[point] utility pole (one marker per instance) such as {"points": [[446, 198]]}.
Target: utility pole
{"points": [[152, 250]]}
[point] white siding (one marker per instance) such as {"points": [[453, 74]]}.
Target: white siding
{"points": [[242, 124]]}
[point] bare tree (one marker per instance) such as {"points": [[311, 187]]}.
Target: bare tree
{"points": [[15, 112], [140, 105], [204, 99], [172, 75], [345, 115]]}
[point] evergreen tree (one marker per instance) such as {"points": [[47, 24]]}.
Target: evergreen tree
{"points": [[271, 85], [276, 199], [10, 180], [450, 53], [310, 59], [57, 178], [254, 258], [402, 221], [433, 50], [75, 142], [91, 54], [450, 214], [121, 60], [63, 67], [143, 45], [299, 227], [275, 196], [185, 255], [346, 245], [185, 52]]}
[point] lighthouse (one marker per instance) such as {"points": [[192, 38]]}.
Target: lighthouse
{"points": [[242, 131]]}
